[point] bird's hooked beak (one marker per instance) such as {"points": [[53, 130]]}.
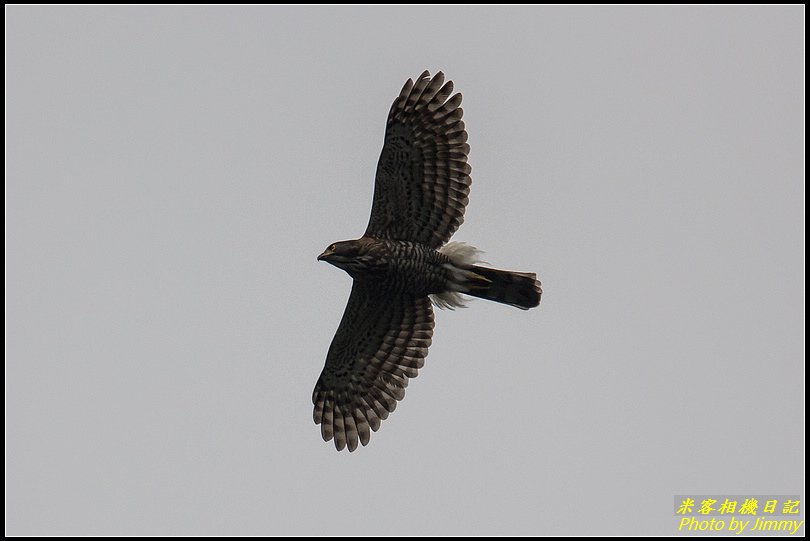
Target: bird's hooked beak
{"points": [[325, 255]]}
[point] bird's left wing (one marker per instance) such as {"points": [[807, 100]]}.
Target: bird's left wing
{"points": [[381, 342], [423, 179]]}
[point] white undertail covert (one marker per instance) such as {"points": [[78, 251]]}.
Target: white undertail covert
{"points": [[461, 255]]}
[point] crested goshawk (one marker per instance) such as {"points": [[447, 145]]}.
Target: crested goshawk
{"points": [[402, 263]]}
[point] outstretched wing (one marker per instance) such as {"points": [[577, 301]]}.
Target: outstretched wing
{"points": [[381, 342], [423, 179]]}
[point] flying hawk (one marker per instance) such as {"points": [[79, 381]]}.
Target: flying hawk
{"points": [[402, 263]]}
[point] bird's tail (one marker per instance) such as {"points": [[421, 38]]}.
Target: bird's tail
{"points": [[519, 289]]}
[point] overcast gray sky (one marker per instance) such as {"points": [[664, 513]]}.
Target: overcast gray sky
{"points": [[172, 173]]}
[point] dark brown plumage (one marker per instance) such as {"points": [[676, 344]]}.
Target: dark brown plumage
{"points": [[402, 263], [423, 179]]}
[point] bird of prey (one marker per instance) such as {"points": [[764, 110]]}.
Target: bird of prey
{"points": [[403, 262]]}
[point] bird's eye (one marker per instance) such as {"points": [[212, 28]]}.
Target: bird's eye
{"points": [[333, 248]]}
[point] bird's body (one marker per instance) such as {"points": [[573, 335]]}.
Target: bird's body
{"points": [[402, 262], [403, 266]]}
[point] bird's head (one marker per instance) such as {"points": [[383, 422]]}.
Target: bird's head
{"points": [[350, 255], [339, 252]]}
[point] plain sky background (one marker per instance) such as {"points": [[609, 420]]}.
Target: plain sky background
{"points": [[172, 173]]}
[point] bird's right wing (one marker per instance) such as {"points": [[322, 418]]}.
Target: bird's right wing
{"points": [[381, 342], [423, 179]]}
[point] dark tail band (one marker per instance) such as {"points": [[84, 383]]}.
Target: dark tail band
{"points": [[519, 289]]}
